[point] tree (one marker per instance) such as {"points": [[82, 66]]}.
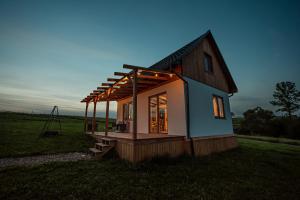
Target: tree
{"points": [[256, 120], [286, 97]]}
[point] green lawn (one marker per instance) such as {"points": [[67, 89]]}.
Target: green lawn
{"points": [[270, 139], [19, 135], [256, 170]]}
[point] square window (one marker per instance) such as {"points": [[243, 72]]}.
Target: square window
{"points": [[218, 107]]}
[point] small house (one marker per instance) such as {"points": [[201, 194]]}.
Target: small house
{"points": [[179, 105]]}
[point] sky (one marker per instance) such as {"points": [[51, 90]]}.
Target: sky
{"points": [[57, 52]]}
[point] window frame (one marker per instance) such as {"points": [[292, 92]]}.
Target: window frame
{"points": [[218, 107], [210, 68], [157, 114]]}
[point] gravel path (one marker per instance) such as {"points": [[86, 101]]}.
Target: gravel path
{"points": [[37, 160]]}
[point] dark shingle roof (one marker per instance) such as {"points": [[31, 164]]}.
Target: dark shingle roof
{"points": [[176, 58]]}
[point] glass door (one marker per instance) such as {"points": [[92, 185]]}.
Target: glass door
{"points": [[153, 114], [158, 115]]}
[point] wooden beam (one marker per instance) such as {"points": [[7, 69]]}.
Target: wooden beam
{"points": [[103, 88], [100, 90], [121, 74], [107, 112], [133, 67], [85, 115], [107, 84], [134, 104], [107, 117], [94, 117], [140, 81], [153, 77], [113, 79]]}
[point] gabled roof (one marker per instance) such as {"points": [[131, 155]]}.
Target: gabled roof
{"points": [[176, 58]]}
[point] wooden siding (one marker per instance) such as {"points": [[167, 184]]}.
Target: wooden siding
{"points": [[147, 148], [193, 66], [136, 151], [207, 145]]}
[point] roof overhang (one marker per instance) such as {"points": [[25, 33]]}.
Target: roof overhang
{"points": [[122, 87]]}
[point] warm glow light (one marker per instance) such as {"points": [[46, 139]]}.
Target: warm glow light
{"points": [[215, 107], [171, 75], [139, 72], [156, 75]]}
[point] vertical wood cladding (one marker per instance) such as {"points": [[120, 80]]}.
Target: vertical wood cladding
{"points": [[193, 66], [173, 147], [208, 145]]}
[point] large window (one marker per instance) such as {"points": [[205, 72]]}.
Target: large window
{"points": [[208, 66], [127, 111], [218, 107]]}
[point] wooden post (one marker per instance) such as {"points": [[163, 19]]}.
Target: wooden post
{"points": [[134, 104], [94, 117], [106, 117], [85, 116]]}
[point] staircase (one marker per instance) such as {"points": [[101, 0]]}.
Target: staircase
{"points": [[102, 147]]}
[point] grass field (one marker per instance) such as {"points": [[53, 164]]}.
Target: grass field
{"points": [[255, 170], [271, 139], [19, 135]]}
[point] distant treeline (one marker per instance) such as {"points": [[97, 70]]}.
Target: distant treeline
{"points": [[263, 122], [259, 121]]}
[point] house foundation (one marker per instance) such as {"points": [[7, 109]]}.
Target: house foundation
{"points": [[147, 146]]}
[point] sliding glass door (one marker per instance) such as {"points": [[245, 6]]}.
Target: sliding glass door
{"points": [[158, 114]]}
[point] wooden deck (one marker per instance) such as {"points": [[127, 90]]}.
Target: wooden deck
{"points": [[140, 136], [146, 146]]}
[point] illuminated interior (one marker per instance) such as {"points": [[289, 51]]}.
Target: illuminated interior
{"points": [[218, 107], [158, 115]]}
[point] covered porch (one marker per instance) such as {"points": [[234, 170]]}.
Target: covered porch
{"points": [[138, 80]]}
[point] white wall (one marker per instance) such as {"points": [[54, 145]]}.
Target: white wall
{"points": [[202, 120], [175, 106]]}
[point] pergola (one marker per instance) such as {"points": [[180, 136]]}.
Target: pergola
{"points": [[138, 80]]}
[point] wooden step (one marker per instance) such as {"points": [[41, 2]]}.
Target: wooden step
{"points": [[108, 141], [101, 146], [95, 152]]}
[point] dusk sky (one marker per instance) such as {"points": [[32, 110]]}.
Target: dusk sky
{"points": [[57, 52]]}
